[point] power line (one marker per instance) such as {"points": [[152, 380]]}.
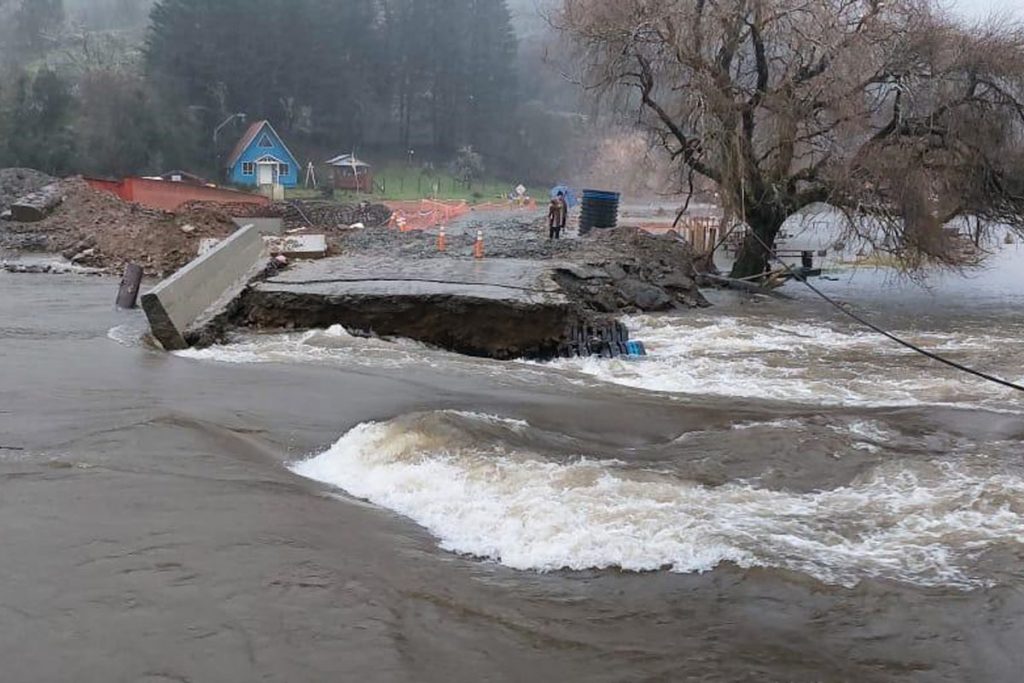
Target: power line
{"points": [[881, 331]]}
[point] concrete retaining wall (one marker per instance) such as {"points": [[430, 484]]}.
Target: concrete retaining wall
{"points": [[177, 303]]}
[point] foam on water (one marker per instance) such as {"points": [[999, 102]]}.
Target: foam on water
{"points": [[803, 361], [333, 345], [336, 347], [904, 521], [128, 334]]}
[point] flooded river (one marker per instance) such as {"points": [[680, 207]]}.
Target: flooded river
{"points": [[774, 494]]}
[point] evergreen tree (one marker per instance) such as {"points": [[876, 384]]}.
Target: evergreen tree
{"points": [[118, 126], [492, 80], [36, 24], [37, 132]]}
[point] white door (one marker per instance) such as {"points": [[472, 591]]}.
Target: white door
{"points": [[265, 173]]}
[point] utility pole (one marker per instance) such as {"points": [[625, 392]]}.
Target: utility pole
{"points": [[216, 151]]}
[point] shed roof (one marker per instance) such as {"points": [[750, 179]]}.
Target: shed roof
{"points": [[346, 160], [185, 177], [250, 135]]}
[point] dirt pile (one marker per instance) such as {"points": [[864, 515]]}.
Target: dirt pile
{"points": [[625, 269], [96, 229], [18, 182], [329, 216], [324, 216]]}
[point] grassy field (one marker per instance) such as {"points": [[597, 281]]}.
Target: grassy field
{"points": [[400, 182]]}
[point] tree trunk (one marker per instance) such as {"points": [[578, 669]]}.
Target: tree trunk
{"points": [[754, 258]]}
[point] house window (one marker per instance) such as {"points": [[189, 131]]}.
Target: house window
{"points": [[282, 169], [265, 141], [248, 168]]}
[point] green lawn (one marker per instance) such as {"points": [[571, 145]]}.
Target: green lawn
{"points": [[400, 182]]}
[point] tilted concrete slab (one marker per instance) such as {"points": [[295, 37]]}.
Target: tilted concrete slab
{"points": [[501, 308], [206, 284], [266, 226]]}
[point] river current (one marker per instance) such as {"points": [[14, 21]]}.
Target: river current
{"points": [[774, 493]]}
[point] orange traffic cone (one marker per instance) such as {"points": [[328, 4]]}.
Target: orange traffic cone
{"points": [[442, 240], [478, 248]]}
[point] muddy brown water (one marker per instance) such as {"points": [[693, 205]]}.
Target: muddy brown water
{"points": [[150, 529]]}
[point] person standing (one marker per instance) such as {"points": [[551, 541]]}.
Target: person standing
{"points": [[557, 214]]}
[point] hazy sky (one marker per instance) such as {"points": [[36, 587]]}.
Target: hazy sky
{"points": [[976, 9]]}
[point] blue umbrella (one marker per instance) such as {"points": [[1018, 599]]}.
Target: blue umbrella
{"points": [[567, 192]]}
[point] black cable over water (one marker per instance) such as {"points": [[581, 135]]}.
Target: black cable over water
{"points": [[883, 332]]}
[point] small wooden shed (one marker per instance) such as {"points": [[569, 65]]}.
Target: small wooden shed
{"points": [[349, 173]]}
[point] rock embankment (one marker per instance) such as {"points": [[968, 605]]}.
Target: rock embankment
{"points": [[626, 270]]}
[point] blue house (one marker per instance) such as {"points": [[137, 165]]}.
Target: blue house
{"points": [[262, 158]]}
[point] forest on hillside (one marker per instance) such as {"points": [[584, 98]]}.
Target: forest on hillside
{"points": [[118, 87]]}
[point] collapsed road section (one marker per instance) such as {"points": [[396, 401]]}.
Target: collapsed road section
{"points": [[537, 299], [499, 308]]}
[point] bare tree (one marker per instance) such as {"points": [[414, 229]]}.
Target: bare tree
{"points": [[886, 109]]}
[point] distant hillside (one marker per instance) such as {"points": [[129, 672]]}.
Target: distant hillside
{"points": [[132, 15], [528, 16]]}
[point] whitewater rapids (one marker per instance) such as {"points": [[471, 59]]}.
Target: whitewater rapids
{"points": [[474, 482]]}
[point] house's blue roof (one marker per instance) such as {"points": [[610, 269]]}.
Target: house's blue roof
{"points": [[250, 136]]}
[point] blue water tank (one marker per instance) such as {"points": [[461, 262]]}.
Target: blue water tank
{"points": [[600, 210]]}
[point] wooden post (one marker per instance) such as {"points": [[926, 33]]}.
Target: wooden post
{"points": [[131, 281]]}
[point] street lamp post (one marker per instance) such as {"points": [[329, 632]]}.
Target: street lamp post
{"points": [[216, 150]]}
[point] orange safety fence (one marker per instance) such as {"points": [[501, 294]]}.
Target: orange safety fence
{"points": [[425, 213], [429, 213], [526, 204]]}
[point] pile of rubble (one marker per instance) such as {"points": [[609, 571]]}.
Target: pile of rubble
{"points": [[322, 216], [18, 182], [95, 229], [626, 269], [328, 216]]}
